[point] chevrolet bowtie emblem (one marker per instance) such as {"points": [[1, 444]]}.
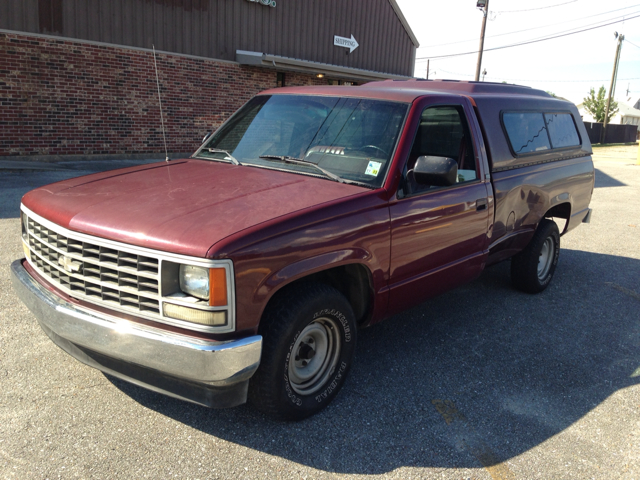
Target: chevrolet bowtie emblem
{"points": [[69, 264]]}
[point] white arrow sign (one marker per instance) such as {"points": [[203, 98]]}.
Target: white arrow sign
{"points": [[349, 43]]}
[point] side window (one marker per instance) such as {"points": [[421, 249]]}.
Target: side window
{"points": [[443, 132], [537, 131], [562, 130], [527, 132]]}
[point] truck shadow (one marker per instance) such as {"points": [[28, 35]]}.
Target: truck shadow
{"points": [[471, 378], [603, 180]]}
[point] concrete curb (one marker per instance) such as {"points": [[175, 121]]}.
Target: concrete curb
{"points": [[89, 158], [11, 165], [74, 162]]}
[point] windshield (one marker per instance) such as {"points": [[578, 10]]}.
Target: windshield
{"points": [[352, 138]]}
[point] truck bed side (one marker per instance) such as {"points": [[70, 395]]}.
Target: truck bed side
{"points": [[526, 195], [547, 183]]}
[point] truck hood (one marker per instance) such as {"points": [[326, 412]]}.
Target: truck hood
{"points": [[183, 207]]}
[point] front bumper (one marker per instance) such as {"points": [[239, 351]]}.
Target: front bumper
{"points": [[206, 372]]}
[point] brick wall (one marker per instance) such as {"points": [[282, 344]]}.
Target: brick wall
{"points": [[60, 97]]}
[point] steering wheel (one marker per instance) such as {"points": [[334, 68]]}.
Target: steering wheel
{"points": [[375, 147]]}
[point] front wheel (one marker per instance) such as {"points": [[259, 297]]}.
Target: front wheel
{"points": [[532, 269], [309, 337]]}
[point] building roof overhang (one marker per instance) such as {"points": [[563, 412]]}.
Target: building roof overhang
{"points": [[266, 60]]}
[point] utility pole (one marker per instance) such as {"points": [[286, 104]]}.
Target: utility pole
{"points": [[612, 87], [484, 5], [429, 71]]}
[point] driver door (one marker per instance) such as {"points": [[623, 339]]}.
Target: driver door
{"points": [[439, 234]]}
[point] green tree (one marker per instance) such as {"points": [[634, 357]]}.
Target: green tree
{"points": [[597, 104]]}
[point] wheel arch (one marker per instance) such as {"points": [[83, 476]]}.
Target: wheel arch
{"points": [[560, 210], [353, 279]]}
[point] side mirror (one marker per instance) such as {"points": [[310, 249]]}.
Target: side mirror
{"points": [[436, 171], [204, 139]]}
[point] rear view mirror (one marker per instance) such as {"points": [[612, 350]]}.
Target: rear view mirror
{"points": [[436, 171]]}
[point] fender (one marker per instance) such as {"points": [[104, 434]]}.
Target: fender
{"points": [[308, 266], [369, 308], [562, 206], [514, 241]]}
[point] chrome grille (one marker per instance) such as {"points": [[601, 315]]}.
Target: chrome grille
{"points": [[99, 274]]}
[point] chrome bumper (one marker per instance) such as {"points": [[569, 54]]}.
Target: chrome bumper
{"points": [[209, 373]]}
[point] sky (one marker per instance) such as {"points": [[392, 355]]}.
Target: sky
{"points": [[567, 66]]}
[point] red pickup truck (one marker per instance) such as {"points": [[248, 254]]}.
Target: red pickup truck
{"points": [[245, 271]]}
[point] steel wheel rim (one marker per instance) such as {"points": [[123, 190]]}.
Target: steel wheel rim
{"points": [[314, 356], [546, 258]]}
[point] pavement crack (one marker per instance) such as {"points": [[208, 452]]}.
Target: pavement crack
{"points": [[626, 291]]}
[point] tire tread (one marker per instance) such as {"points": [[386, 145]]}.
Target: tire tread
{"points": [[524, 265], [274, 327]]}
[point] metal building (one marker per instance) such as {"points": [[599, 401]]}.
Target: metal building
{"points": [[233, 49]]}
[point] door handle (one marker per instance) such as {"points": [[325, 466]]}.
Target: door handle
{"points": [[481, 204]]}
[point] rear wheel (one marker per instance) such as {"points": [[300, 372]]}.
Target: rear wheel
{"points": [[307, 350], [533, 268]]}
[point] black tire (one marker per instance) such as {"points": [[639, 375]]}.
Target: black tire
{"points": [[309, 339], [532, 269]]}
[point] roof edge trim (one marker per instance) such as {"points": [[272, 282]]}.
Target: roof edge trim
{"points": [[244, 57]]}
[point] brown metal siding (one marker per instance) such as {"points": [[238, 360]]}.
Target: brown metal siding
{"points": [[301, 29], [21, 15]]}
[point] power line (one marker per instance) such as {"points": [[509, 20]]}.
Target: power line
{"points": [[584, 27], [530, 80], [566, 81], [526, 43], [539, 8], [631, 43], [536, 80], [534, 28]]}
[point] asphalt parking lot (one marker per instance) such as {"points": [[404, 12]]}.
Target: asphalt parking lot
{"points": [[483, 382]]}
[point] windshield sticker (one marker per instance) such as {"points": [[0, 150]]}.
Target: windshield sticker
{"points": [[373, 168]]}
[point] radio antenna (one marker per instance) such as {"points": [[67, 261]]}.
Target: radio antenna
{"points": [[166, 155]]}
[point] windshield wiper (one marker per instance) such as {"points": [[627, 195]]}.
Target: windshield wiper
{"points": [[300, 161], [228, 155]]}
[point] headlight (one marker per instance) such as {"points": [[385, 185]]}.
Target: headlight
{"points": [[200, 293], [195, 281], [205, 283]]}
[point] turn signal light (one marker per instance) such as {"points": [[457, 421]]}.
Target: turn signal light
{"points": [[217, 287]]}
